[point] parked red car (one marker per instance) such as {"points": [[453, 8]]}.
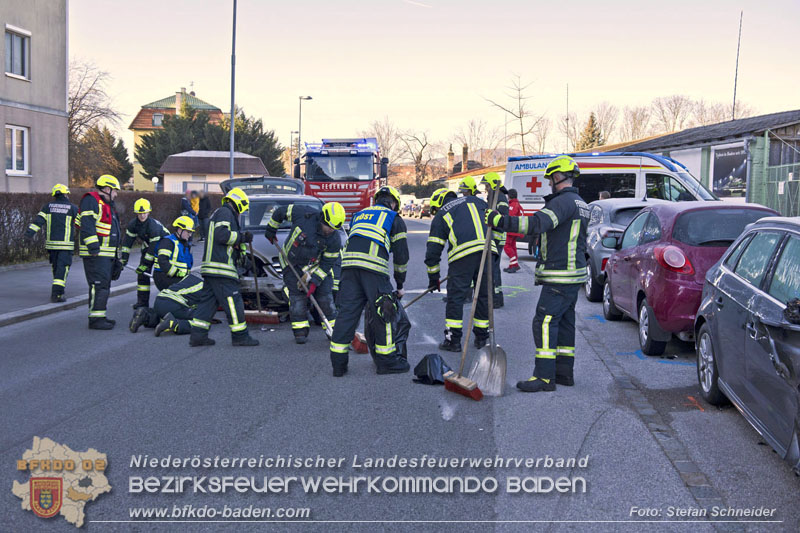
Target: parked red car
{"points": [[656, 275]]}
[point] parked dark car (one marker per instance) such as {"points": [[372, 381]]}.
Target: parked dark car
{"points": [[608, 218], [656, 275], [748, 332], [425, 208], [264, 185]]}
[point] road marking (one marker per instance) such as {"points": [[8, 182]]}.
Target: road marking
{"points": [[516, 290], [637, 353], [599, 318]]}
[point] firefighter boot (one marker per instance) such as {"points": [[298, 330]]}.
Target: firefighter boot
{"points": [[498, 300], [168, 323], [535, 384], [244, 339], [481, 338], [101, 323], [300, 335], [138, 320], [200, 340], [452, 340], [391, 365]]}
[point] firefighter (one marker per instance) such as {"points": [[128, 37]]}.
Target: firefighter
{"points": [[99, 240], [494, 187], [174, 307], [375, 233], [59, 214], [174, 255], [313, 249], [468, 186], [224, 247], [515, 210], [459, 224], [561, 272], [149, 231]]}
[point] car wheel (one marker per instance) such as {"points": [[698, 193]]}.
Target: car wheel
{"points": [[610, 311], [707, 374], [649, 346], [593, 290]]}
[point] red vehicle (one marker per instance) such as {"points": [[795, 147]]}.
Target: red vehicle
{"points": [[348, 171], [656, 275]]}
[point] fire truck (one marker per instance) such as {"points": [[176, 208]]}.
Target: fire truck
{"points": [[348, 171]]}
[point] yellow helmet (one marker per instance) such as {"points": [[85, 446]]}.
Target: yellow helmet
{"points": [[468, 184], [492, 179], [333, 214], [107, 180], [59, 188], [142, 205], [438, 197], [390, 191], [184, 222], [564, 164], [238, 198]]}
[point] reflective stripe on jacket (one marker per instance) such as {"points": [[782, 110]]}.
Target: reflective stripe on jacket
{"points": [[373, 237], [174, 257], [459, 224], [58, 216], [222, 244], [100, 230]]}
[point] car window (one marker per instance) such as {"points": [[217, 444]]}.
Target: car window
{"points": [[633, 234], [714, 227], [260, 212], [596, 216], [785, 284], [664, 187], [623, 217], [733, 256], [652, 229], [619, 185], [754, 260]]}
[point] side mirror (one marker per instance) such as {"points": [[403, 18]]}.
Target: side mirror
{"points": [[384, 173], [296, 169], [610, 242]]}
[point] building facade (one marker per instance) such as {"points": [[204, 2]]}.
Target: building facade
{"points": [[33, 94], [204, 170]]}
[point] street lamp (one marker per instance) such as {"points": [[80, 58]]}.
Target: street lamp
{"points": [[300, 123], [291, 147]]}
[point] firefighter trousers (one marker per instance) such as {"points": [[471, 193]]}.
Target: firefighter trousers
{"points": [[497, 279], [554, 331], [98, 276], [462, 273], [299, 304], [359, 289], [224, 292], [60, 261], [143, 284]]}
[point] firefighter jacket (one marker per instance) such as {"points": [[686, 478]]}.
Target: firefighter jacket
{"points": [[149, 232], [498, 235], [306, 247], [187, 292], [459, 224], [562, 225], [174, 256], [375, 233], [99, 227], [221, 253], [59, 215]]}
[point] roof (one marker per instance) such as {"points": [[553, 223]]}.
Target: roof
{"points": [[190, 99], [617, 146], [724, 130], [144, 118], [783, 222], [212, 162]]}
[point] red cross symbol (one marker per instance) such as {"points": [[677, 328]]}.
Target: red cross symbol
{"points": [[534, 184]]}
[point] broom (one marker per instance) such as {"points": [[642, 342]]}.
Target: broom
{"points": [[260, 316]]}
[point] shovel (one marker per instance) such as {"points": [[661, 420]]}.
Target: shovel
{"points": [[260, 316]]}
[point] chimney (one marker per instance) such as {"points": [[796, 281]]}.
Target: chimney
{"points": [[451, 157], [179, 96], [464, 158]]}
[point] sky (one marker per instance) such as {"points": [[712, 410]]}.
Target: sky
{"points": [[428, 65]]}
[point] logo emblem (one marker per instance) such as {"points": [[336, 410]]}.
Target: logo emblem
{"points": [[46, 495], [534, 184]]}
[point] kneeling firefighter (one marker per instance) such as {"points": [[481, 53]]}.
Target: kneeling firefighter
{"points": [[149, 231], [175, 254], [561, 224], [313, 249], [375, 233], [174, 307]]}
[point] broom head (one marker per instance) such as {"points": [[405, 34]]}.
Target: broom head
{"points": [[462, 385], [359, 343], [261, 317]]}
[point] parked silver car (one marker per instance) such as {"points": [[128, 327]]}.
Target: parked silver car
{"points": [[608, 218]]}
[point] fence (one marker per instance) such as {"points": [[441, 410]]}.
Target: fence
{"points": [[17, 211], [782, 189]]}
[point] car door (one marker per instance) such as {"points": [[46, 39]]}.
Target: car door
{"points": [[622, 261], [772, 347]]}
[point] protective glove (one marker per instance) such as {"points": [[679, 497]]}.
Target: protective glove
{"points": [[272, 239], [116, 271], [247, 236], [181, 273], [493, 219], [399, 293], [124, 260], [141, 269], [29, 235], [433, 282], [312, 288]]}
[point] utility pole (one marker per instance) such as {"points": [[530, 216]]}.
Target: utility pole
{"points": [[233, 86], [736, 76], [567, 121]]}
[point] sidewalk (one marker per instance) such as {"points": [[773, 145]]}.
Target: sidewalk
{"points": [[26, 291]]}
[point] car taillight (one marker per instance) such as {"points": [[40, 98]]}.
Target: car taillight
{"points": [[603, 264], [672, 258]]}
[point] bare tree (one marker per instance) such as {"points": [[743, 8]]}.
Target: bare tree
{"points": [[705, 113], [568, 125], [606, 115], [481, 140], [540, 135], [89, 103], [519, 110], [670, 113], [388, 137], [418, 151], [635, 123]]}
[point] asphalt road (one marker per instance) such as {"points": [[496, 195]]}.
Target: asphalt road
{"points": [[650, 440]]}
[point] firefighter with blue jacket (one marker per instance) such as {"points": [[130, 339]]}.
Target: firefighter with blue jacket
{"points": [[59, 215], [458, 223], [149, 231], [313, 249], [561, 224], [375, 233], [174, 254]]}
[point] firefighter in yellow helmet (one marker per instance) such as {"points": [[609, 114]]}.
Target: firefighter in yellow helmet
{"points": [[468, 186], [494, 187], [149, 232], [174, 254], [225, 245], [312, 247], [561, 272], [58, 215]]}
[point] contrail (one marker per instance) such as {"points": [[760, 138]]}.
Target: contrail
{"points": [[420, 4]]}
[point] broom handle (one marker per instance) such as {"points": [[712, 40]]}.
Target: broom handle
{"points": [[486, 245], [418, 298], [328, 327], [255, 275]]}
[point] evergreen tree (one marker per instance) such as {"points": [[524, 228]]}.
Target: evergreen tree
{"points": [[93, 156], [125, 166], [591, 135]]}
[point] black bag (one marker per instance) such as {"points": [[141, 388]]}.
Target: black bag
{"points": [[431, 370]]}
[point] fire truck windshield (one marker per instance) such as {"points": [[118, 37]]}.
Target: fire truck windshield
{"points": [[339, 168]]}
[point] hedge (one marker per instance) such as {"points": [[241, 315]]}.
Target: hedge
{"points": [[17, 211]]}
